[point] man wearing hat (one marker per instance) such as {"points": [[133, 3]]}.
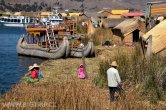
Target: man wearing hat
{"points": [[113, 80]]}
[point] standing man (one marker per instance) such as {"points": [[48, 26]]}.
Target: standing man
{"points": [[113, 80]]}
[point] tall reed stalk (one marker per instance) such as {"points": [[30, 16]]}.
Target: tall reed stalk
{"points": [[136, 70]]}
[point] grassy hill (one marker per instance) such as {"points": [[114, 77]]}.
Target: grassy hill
{"points": [[88, 5]]}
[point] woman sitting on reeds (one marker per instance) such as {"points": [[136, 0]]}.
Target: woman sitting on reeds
{"points": [[34, 74]]}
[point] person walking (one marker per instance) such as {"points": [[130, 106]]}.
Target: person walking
{"points": [[114, 80]]}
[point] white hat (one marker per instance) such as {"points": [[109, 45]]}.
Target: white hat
{"points": [[36, 65]]}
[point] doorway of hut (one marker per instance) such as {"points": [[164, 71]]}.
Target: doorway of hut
{"points": [[136, 35]]}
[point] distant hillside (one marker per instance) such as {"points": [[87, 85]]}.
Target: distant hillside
{"points": [[74, 5]]}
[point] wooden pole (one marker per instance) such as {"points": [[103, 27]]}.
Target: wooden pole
{"points": [[83, 59], [149, 48]]}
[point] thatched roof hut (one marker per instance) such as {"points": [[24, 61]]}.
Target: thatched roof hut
{"points": [[158, 37], [127, 26], [129, 30]]}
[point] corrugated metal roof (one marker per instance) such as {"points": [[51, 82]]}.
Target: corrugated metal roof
{"points": [[130, 14], [158, 37], [119, 12]]}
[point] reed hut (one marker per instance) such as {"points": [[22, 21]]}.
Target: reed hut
{"points": [[158, 37], [128, 30]]}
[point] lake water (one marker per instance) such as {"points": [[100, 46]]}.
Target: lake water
{"points": [[12, 66]]}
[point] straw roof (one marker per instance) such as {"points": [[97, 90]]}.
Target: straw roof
{"points": [[158, 37], [128, 26], [110, 23]]}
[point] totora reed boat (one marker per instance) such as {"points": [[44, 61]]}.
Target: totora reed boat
{"points": [[88, 51], [53, 42], [34, 50]]}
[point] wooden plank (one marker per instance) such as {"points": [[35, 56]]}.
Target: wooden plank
{"points": [[159, 5], [158, 8]]}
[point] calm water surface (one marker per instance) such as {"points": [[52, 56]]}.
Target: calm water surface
{"points": [[12, 66]]}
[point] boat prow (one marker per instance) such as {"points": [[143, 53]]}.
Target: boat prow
{"points": [[88, 51]]}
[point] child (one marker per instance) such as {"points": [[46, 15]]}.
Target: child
{"points": [[81, 72]]}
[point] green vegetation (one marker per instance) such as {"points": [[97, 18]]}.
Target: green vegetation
{"points": [[143, 80], [81, 29], [62, 87], [135, 70], [101, 79]]}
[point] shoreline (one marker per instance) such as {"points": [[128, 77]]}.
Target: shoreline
{"points": [[61, 88]]}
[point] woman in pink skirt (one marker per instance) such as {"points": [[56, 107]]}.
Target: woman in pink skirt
{"points": [[81, 72]]}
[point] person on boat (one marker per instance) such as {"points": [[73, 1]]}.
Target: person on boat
{"points": [[81, 72], [114, 80]]}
